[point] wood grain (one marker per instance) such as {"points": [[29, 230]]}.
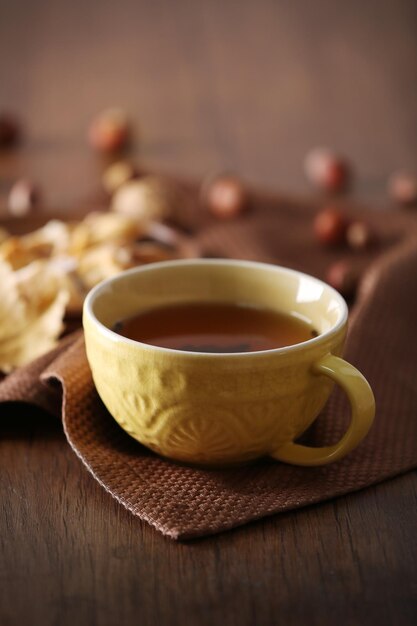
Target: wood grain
{"points": [[71, 554], [243, 85]]}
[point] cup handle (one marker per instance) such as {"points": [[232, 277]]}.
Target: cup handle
{"points": [[362, 403]]}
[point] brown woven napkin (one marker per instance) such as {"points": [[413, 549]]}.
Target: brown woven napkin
{"points": [[184, 502]]}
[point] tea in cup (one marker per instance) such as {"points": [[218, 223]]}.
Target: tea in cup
{"points": [[219, 362]]}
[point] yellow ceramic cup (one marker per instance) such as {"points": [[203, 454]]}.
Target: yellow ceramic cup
{"points": [[220, 409]]}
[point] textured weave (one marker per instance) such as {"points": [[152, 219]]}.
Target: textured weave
{"points": [[185, 502]]}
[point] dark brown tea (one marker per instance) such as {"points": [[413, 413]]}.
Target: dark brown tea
{"points": [[215, 327]]}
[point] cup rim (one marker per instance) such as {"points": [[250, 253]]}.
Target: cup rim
{"points": [[112, 335]]}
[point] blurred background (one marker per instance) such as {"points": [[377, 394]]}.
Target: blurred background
{"points": [[238, 85]]}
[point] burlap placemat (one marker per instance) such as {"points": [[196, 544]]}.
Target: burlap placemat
{"points": [[184, 502]]}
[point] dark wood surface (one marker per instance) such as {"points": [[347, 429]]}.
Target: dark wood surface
{"points": [[244, 85]]}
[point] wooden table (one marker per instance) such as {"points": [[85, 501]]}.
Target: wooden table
{"points": [[248, 86]]}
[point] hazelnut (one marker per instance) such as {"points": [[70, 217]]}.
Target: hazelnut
{"points": [[23, 197], [9, 130], [343, 277], [402, 187], [117, 175], [326, 170], [109, 131], [146, 199], [330, 227], [225, 196], [358, 235]]}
